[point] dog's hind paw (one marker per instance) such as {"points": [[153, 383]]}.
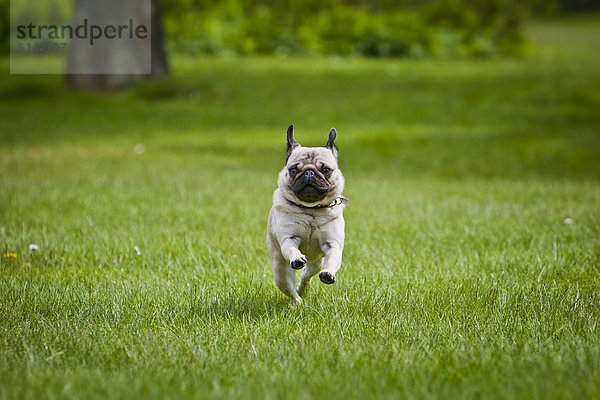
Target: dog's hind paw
{"points": [[326, 277], [301, 289], [295, 301], [298, 263]]}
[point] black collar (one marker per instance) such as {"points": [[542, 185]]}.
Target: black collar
{"points": [[336, 202]]}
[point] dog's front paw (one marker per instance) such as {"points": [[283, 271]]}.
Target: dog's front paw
{"points": [[299, 262], [326, 277]]}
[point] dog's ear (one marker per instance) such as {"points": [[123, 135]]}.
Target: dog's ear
{"points": [[291, 142], [330, 145]]}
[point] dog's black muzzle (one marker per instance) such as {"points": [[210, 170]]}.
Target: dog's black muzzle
{"points": [[310, 186]]}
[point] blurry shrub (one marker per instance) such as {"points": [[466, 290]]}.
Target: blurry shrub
{"points": [[553, 7], [377, 28]]}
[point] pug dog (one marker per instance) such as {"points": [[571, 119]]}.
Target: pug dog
{"points": [[305, 229]]}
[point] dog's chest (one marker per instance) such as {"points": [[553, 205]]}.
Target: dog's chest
{"points": [[310, 244]]}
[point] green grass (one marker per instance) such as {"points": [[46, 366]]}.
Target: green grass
{"points": [[460, 278]]}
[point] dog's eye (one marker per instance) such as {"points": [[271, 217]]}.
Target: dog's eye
{"points": [[293, 171], [326, 170]]}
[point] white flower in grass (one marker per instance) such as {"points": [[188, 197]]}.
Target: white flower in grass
{"points": [[139, 148], [568, 221], [34, 247], [137, 250]]}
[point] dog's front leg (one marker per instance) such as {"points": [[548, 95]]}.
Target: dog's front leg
{"points": [[289, 249], [333, 260]]}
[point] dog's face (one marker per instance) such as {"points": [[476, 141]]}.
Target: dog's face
{"points": [[311, 175]]}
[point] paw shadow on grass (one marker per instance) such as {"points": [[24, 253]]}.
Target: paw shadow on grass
{"points": [[253, 303]]}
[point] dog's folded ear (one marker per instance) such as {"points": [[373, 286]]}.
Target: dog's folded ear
{"points": [[291, 142], [330, 145]]}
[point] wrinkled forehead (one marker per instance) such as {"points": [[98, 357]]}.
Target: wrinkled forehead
{"points": [[312, 155]]}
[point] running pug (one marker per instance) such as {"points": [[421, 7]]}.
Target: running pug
{"points": [[305, 229]]}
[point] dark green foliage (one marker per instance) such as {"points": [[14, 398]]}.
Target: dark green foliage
{"points": [[438, 28], [379, 28], [4, 24]]}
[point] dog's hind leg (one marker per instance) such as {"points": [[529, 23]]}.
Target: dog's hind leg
{"points": [[311, 269], [285, 278]]}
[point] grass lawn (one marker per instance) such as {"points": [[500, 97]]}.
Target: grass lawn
{"points": [[472, 260]]}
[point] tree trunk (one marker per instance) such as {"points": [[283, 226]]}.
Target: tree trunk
{"points": [[115, 63]]}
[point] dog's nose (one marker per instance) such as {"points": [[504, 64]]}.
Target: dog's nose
{"points": [[309, 174]]}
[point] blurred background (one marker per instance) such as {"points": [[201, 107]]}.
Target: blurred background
{"points": [[415, 29], [436, 90], [374, 28]]}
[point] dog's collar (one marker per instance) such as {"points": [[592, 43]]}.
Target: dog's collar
{"points": [[336, 202]]}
